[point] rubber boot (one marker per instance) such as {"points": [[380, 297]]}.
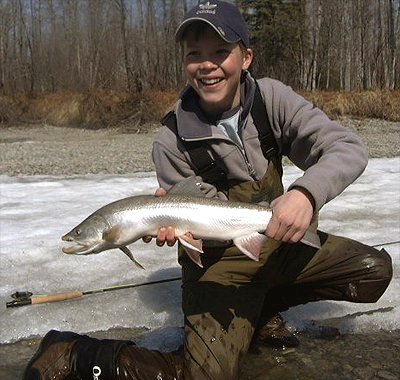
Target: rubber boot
{"points": [[52, 358], [70, 356], [275, 334]]}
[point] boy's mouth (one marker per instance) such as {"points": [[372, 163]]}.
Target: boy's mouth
{"points": [[210, 82]]}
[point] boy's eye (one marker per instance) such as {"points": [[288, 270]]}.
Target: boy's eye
{"points": [[223, 51], [222, 54], [192, 53]]}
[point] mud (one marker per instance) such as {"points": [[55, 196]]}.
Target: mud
{"points": [[326, 356]]}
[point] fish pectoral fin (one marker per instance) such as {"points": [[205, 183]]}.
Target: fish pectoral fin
{"points": [[195, 256], [193, 248], [251, 245], [129, 254], [113, 235], [188, 241]]}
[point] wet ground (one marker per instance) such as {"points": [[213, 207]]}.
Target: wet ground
{"points": [[361, 357], [326, 356]]}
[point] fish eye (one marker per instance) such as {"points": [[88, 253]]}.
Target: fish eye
{"points": [[77, 232]]}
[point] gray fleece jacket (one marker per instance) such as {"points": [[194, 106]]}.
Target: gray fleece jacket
{"points": [[330, 155]]}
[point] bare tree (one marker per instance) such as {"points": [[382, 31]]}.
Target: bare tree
{"points": [[129, 74], [79, 45]]}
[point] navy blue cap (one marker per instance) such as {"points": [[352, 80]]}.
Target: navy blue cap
{"points": [[225, 18]]}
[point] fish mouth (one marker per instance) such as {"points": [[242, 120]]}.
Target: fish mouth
{"points": [[76, 249]]}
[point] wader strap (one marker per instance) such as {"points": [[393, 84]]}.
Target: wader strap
{"points": [[205, 165], [268, 143], [202, 159]]}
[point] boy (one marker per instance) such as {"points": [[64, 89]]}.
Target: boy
{"points": [[213, 138]]}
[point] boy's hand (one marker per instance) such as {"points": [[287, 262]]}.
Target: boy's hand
{"points": [[292, 213], [165, 234]]}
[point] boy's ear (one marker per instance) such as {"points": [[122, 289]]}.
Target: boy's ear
{"points": [[247, 58]]}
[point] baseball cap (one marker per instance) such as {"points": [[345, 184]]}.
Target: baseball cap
{"points": [[225, 18]]}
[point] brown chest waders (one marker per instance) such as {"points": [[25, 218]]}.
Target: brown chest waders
{"points": [[226, 300]]}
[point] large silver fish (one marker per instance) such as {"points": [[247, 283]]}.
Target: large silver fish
{"points": [[122, 222]]}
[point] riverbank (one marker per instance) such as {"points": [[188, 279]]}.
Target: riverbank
{"points": [[50, 150]]}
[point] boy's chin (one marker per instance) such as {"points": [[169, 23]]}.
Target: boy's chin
{"points": [[215, 105], [212, 99]]}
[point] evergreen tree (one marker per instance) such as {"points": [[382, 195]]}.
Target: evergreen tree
{"points": [[278, 37]]}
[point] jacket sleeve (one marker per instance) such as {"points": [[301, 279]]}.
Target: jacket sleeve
{"points": [[331, 155], [169, 160]]}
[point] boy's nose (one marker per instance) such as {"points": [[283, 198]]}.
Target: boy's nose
{"points": [[207, 65]]}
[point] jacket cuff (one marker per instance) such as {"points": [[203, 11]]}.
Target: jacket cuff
{"points": [[306, 193], [315, 193]]}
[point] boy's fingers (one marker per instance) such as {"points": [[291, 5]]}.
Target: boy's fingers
{"points": [[146, 239], [160, 192], [170, 236], [272, 229], [161, 236]]}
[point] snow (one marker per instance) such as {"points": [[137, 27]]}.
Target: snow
{"points": [[36, 211]]}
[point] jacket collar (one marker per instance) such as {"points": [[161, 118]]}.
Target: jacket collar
{"points": [[192, 123]]}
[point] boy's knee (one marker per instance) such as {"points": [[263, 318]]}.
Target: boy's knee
{"points": [[378, 266], [381, 264]]}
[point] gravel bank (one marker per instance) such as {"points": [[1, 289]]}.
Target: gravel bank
{"points": [[49, 150]]}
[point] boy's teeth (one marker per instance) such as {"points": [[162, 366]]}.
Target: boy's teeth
{"points": [[210, 81]]}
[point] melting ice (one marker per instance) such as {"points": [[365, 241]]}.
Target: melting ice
{"points": [[36, 211]]}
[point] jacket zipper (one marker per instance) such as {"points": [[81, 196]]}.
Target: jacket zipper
{"points": [[250, 169]]}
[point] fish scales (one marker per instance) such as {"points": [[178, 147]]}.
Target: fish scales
{"points": [[122, 222], [214, 217]]}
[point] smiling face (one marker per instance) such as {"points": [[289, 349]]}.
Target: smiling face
{"points": [[213, 68]]}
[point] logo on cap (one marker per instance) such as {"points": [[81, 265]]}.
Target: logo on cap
{"points": [[207, 8]]}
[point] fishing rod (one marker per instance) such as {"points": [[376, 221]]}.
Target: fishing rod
{"points": [[388, 243], [27, 298]]}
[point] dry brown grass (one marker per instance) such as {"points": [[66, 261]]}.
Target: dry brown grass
{"points": [[367, 104], [89, 110], [105, 109]]}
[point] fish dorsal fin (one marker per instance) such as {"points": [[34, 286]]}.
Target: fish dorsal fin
{"points": [[193, 247], [189, 186], [251, 245]]}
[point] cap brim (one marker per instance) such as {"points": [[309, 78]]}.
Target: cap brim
{"points": [[183, 26]]}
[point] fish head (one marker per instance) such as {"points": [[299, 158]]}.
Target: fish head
{"points": [[88, 237]]}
